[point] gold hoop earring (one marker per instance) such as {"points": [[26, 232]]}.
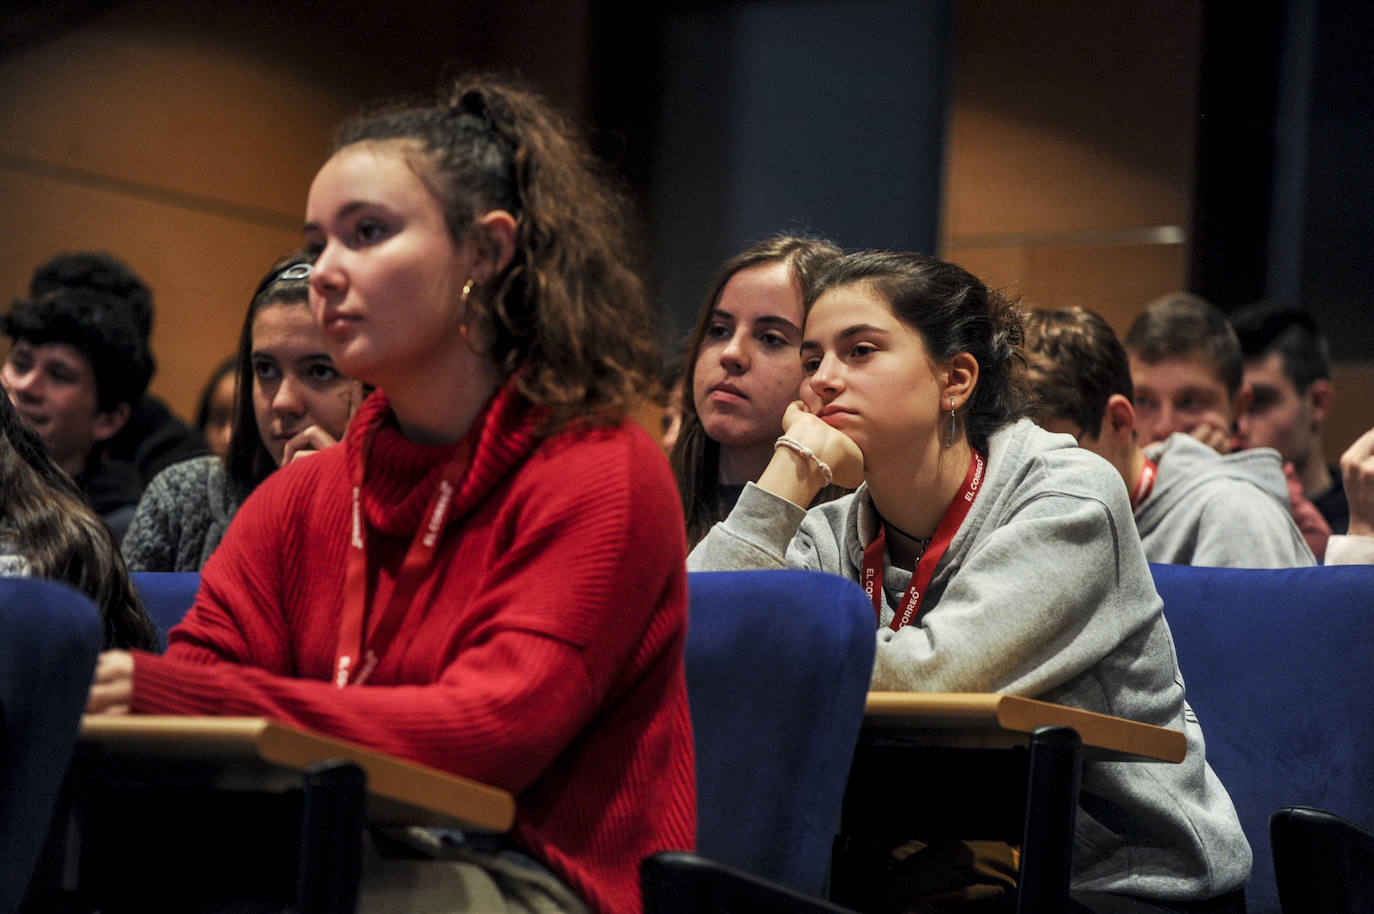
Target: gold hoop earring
{"points": [[949, 429]]}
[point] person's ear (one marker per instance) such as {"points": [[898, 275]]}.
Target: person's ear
{"points": [[108, 423], [495, 242], [1118, 419], [961, 377], [1320, 395]]}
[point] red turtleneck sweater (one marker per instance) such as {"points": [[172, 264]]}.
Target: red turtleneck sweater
{"points": [[542, 653]]}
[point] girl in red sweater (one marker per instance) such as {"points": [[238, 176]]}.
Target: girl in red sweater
{"points": [[487, 576]]}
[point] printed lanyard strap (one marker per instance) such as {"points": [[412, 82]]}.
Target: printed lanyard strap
{"points": [[358, 652], [910, 607], [1145, 484]]}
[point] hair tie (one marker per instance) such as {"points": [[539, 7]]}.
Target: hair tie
{"points": [[474, 103]]}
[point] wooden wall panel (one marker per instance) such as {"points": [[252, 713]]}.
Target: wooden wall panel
{"points": [[1069, 168], [182, 137], [1113, 280], [1070, 148], [202, 267], [1352, 413], [184, 118]]}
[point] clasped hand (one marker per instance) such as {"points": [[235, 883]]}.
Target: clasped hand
{"points": [[831, 445], [113, 687], [1357, 471]]}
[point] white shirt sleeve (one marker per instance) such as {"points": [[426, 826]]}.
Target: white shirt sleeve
{"points": [[1350, 550]]}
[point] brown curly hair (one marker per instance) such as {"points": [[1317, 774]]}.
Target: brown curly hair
{"points": [[568, 318]]}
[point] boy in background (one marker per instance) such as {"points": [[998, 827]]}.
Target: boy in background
{"points": [[1189, 377], [1288, 374], [152, 439], [75, 369], [1192, 505]]}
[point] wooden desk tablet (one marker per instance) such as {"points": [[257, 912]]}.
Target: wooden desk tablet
{"points": [[255, 753], [989, 721], [215, 813], [951, 764]]}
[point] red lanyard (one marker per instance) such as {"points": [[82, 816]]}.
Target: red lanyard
{"points": [[934, 551], [1145, 484], [353, 646]]}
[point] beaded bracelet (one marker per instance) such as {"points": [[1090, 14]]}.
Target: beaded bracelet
{"points": [[793, 445]]}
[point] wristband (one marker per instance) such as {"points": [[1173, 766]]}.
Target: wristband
{"points": [[797, 447]]}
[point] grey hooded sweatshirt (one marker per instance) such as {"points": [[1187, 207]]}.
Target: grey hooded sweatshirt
{"points": [[1224, 511], [1044, 592]]}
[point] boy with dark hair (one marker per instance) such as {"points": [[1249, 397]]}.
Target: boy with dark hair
{"points": [[1185, 361], [99, 272], [1192, 506], [1288, 373], [1189, 377], [152, 439], [75, 368]]}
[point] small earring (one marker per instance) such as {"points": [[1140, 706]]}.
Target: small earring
{"points": [[949, 429], [463, 308]]}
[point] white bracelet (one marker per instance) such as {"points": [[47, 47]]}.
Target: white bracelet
{"points": [[794, 445]]}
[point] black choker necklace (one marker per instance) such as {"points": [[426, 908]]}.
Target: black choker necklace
{"points": [[923, 541]]}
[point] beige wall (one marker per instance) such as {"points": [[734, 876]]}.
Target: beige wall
{"points": [[1070, 149], [1070, 160], [182, 137]]}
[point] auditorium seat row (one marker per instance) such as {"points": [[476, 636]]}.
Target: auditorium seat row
{"points": [[1276, 665]]}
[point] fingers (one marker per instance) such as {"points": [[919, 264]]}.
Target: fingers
{"points": [[848, 469], [1357, 472], [113, 687], [1218, 439], [795, 410], [1359, 452], [112, 666], [356, 395], [1290, 476], [308, 442], [831, 445]]}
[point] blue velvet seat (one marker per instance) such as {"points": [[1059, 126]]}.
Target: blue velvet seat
{"points": [[778, 666], [1276, 664], [166, 595], [50, 637]]}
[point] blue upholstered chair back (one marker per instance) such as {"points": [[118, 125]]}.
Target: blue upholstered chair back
{"points": [[1277, 665], [778, 665], [166, 595], [50, 636]]}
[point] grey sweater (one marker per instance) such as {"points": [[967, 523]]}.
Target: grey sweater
{"points": [[1231, 511], [181, 517], [1044, 592]]}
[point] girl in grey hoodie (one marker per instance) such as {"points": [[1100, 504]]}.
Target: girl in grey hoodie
{"points": [[999, 557]]}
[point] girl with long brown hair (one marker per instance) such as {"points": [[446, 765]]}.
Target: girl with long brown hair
{"points": [[293, 403], [488, 575], [742, 369], [47, 530]]}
